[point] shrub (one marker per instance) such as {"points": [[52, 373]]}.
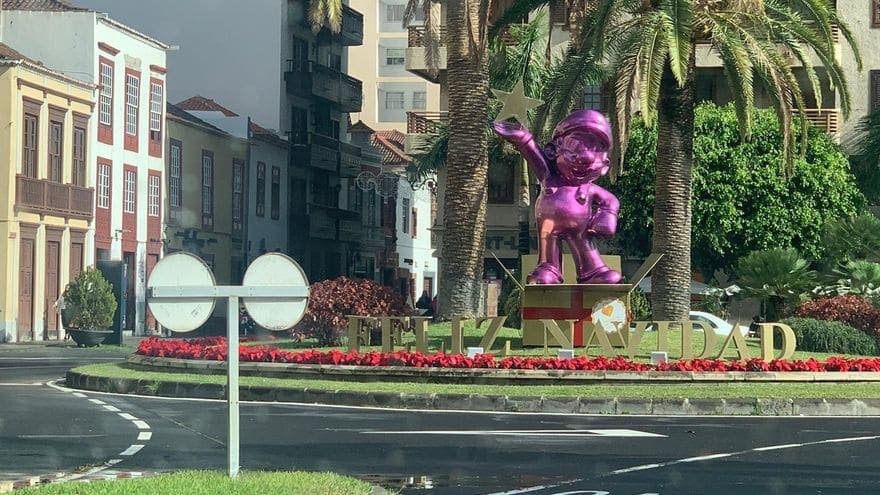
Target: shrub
{"points": [[510, 303], [778, 276], [88, 302], [852, 238], [855, 311], [831, 336], [639, 306], [331, 301]]}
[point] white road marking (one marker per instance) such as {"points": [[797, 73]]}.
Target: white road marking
{"points": [[144, 436], [704, 458], [111, 408], [127, 416], [132, 450], [97, 401], [58, 436], [114, 461], [142, 425], [20, 384], [776, 447], [527, 433], [77, 394]]}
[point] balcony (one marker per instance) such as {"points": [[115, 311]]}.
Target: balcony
{"points": [[826, 119], [425, 122], [298, 78], [52, 198], [352, 33], [336, 87], [350, 160], [321, 152], [417, 38]]}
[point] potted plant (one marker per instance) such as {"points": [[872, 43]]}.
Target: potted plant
{"points": [[87, 308]]}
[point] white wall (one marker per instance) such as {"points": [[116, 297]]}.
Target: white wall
{"points": [[417, 249], [857, 14]]}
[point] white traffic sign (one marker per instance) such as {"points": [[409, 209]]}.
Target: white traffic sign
{"points": [[275, 270], [182, 314]]}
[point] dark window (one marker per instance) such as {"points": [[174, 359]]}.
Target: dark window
{"points": [[175, 185], [501, 183], [30, 132], [404, 215], [276, 193], [415, 222], [79, 155], [237, 194], [56, 145], [261, 189], [593, 97], [875, 13], [207, 189], [299, 126], [875, 89]]}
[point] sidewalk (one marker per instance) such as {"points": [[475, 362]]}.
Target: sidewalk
{"points": [[65, 348]]}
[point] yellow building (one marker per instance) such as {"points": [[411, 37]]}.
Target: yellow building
{"points": [[205, 201], [46, 193]]}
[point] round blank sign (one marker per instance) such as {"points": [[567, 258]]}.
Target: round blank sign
{"points": [[275, 269], [181, 270]]}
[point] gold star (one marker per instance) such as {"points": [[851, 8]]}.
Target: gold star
{"points": [[516, 103]]}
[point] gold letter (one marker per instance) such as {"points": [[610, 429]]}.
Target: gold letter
{"points": [[457, 338], [635, 338], [602, 340], [687, 339], [789, 341], [387, 338], [355, 325], [552, 327], [491, 332], [420, 329], [737, 337]]}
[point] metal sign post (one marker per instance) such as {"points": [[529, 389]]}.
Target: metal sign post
{"points": [[182, 295]]}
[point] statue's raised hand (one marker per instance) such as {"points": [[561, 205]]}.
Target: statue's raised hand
{"points": [[514, 132]]}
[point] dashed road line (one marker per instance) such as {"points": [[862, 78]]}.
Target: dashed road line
{"points": [[97, 401], [142, 425], [132, 449], [127, 416], [144, 436], [112, 408]]}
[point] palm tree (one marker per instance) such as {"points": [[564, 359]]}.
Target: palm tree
{"points": [[464, 204], [649, 47], [325, 13]]}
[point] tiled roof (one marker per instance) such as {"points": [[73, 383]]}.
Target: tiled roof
{"points": [[259, 131], [201, 104], [50, 5], [391, 144], [359, 127], [175, 111], [8, 53]]}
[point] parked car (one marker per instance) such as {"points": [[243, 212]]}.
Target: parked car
{"points": [[720, 326]]}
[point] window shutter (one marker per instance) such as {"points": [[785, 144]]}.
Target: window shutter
{"points": [[875, 13], [875, 89], [559, 12]]}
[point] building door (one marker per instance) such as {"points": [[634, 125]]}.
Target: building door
{"points": [[152, 260], [76, 259], [26, 290], [53, 255], [429, 286], [130, 268]]}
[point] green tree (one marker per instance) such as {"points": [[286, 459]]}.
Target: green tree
{"points": [[852, 238], [650, 49], [740, 203], [780, 277]]}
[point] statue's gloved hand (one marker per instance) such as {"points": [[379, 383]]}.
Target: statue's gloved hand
{"points": [[513, 132], [604, 223]]}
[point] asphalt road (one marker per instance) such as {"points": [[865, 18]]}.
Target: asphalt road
{"points": [[47, 429]]}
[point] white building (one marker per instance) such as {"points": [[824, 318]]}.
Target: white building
{"points": [[125, 137]]}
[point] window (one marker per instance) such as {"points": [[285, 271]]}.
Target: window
{"points": [[56, 138], [394, 100], [875, 89], [207, 189], [420, 100], [30, 131], [394, 13], [394, 56], [276, 193], [129, 198], [175, 167], [415, 222], [105, 113], [261, 189], [404, 214], [371, 208], [157, 91], [593, 97], [103, 185], [153, 196], [237, 194], [875, 13], [132, 90], [79, 150]]}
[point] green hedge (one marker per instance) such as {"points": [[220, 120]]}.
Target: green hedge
{"points": [[831, 336]]}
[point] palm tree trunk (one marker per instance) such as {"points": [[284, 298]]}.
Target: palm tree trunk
{"points": [[670, 281], [464, 205]]}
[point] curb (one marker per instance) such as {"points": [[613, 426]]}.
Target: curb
{"points": [[483, 376], [497, 403], [8, 486]]}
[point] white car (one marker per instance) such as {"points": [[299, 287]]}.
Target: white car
{"points": [[720, 326]]}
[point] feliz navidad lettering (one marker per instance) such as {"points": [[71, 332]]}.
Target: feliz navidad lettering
{"points": [[595, 336]]}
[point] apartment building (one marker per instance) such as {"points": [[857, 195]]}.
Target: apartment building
{"points": [[126, 138], [46, 211], [334, 224]]}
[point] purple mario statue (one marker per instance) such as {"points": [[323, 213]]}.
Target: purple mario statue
{"points": [[570, 207]]}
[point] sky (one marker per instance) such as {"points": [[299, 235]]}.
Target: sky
{"points": [[229, 49]]}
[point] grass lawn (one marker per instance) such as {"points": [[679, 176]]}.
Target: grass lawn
{"points": [[440, 336], [655, 390], [209, 482]]}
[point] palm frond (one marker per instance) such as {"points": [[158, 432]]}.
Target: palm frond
{"points": [[518, 10], [678, 21], [652, 58]]}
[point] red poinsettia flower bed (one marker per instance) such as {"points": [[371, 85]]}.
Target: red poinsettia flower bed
{"points": [[214, 349]]}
